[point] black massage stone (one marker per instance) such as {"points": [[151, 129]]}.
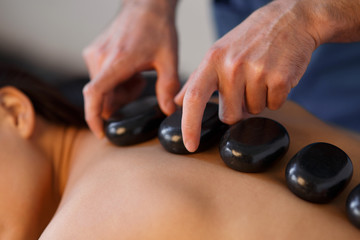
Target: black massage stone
{"points": [[211, 130], [319, 172], [253, 144], [353, 206], [134, 123]]}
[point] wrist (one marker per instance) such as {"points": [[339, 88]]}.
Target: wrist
{"points": [[296, 15], [332, 20]]}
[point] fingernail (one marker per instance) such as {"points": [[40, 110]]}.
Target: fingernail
{"points": [[177, 100], [190, 146], [169, 107]]}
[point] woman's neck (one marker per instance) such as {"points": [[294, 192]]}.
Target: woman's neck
{"points": [[57, 144], [62, 156]]}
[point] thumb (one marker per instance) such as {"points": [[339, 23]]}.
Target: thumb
{"points": [[167, 85], [179, 98]]}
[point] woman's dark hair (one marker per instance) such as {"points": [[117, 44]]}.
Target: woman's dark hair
{"points": [[47, 101]]}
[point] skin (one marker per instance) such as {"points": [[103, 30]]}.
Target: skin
{"points": [[117, 56], [94, 190], [253, 66], [117, 192], [28, 198], [257, 63]]}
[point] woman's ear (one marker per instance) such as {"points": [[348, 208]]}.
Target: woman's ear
{"points": [[19, 110]]}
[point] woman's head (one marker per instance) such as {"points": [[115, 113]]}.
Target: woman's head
{"points": [[32, 120], [47, 102]]}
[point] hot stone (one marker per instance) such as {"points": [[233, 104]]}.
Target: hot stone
{"points": [[254, 144], [319, 172], [134, 123], [353, 206], [212, 129]]}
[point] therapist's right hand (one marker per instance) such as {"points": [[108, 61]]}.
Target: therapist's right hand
{"points": [[142, 37]]}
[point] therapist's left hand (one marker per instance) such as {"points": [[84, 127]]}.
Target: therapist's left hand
{"points": [[142, 37]]}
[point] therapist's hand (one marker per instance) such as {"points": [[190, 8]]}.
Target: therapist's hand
{"points": [[142, 37], [253, 66]]}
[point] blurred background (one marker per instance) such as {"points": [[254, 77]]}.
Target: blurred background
{"points": [[51, 34]]}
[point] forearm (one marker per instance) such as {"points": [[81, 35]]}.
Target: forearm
{"points": [[333, 20]]}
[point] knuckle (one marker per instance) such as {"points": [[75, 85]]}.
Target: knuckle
{"points": [[193, 95], [214, 53], [89, 89], [121, 51], [233, 67], [278, 82], [92, 51], [230, 74], [256, 70], [233, 74]]}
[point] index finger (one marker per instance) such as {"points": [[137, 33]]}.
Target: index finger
{"points": [[113, 73], [93, 108], [198, 92]]}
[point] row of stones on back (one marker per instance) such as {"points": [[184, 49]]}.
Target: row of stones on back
{"points": [[317, 173]]}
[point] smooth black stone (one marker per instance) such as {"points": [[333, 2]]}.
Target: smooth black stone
{"points": [[353, 206], [136, 122], [254, 144], [319, 172], [211, 130]]}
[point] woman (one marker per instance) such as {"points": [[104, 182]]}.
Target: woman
{"points": [[58, 181]]}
